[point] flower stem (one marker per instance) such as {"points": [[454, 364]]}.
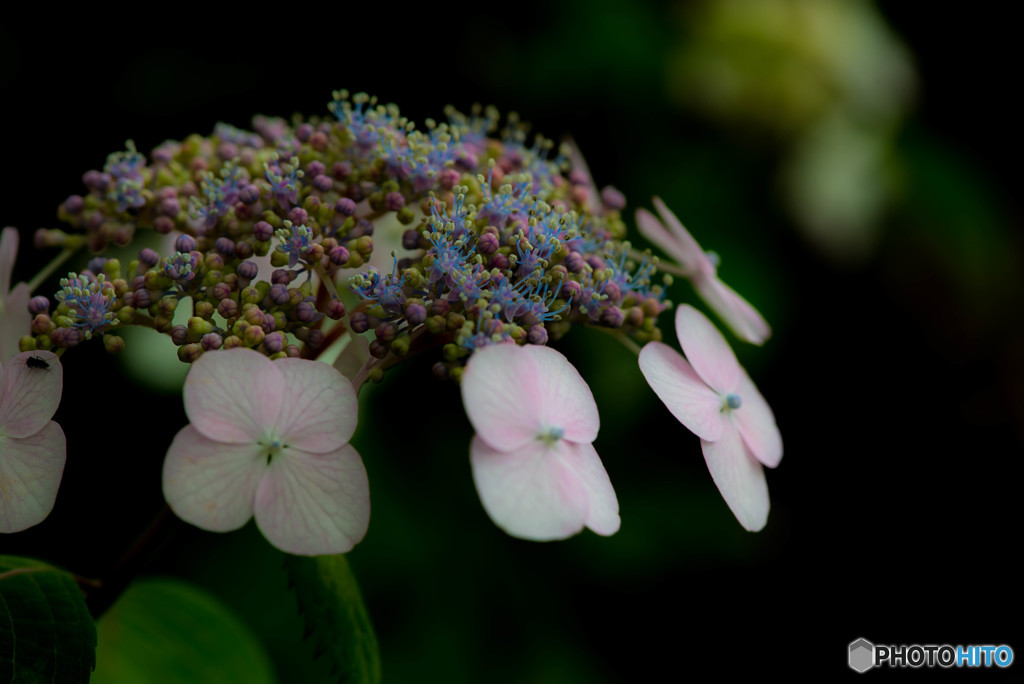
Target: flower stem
{"points": [[327, 281], [64, 255]]}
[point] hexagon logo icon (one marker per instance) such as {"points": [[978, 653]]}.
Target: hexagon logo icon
{"points": [[862, 655]]}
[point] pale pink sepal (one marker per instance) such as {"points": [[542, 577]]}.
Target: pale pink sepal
{"points": [[513, 393], [530, 492], [685, 395], [30, 472], [739, 478], [314, 504], [756, 424], [736, 312], [318, 406], [209, 484], [30, 396], [706, 349], [15, 321], [233, 395]]}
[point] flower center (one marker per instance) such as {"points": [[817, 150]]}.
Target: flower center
{"points": [[273, 445], [732, 401], [550, 435]]}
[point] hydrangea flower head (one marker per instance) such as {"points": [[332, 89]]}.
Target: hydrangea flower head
{"points": [[32, 447], [534, 464], [711, 394], [14, 316], [269, 439], [737, 313]]}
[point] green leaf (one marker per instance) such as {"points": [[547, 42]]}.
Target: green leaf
{"points": [[166, 631], [330, 603], [46, 631]]}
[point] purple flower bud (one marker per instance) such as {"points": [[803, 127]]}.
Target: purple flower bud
{"points": [[596, 262], [269, 323], [225, 246], [572, 289], [574, 262], [411, 239], [538, 334], [298, 216], [487, 244], [323, 182], [38, 305], [499, 261], [305, 311], [279, 294], [74, 204], [315, 338], [274, 342], [439, 370], [179, 333], [385, 332], [448, 178], [415, 313], [339, 255], [250, 194], [613, 292], [280, 276], [293, 351], [440, 307], [211, 341], [612, 198], [303, 132], [315, 168], [359, 322], [341, 170], [148, 257], [228, 308], [262, 231], [612, 316], [345, 206], [163, 224], [335, 309], [185, 243], [394, 201], [94, 180], [243, 250], [96, 264], [169, 206], [247, 269], [141, 299], [378, 350], [220, 291], [226, 151], [578, 177]]}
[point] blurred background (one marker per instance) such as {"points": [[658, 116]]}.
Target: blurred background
{"points": [[855, 166]]}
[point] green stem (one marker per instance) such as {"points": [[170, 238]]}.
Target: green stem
{"points": [[327, 281], [663, 266], [64, 255], [621, 337]]}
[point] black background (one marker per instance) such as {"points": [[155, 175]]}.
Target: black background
{"points": [[897, 509]]}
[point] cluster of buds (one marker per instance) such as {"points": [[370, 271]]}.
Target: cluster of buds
{"points": [[503, 241]]}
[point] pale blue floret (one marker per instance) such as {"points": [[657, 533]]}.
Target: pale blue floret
{"points": [[295, 240]]}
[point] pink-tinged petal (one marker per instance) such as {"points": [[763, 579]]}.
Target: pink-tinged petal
{"points": [[512, 394], [314, 504], [212, 484], [531, 492], [691, 256], [564, 399], [602, 504], [8, 252], [735, 311], [30, 472], [706, 350], [30, 395], [739, 478], [687, 397], [756, 424], [234, 395], [578, 164], [500, 394], [15, 321], [318, 407]]}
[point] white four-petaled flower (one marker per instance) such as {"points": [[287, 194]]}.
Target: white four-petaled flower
{"points": [[269, 439], [742, 318], [32, 447], [715, 399], [534, 464]]}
